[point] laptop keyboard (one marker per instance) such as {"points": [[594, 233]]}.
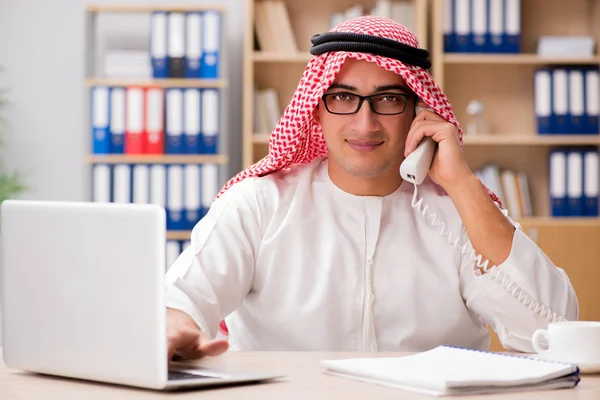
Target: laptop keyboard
{"points": [[179, 375]]}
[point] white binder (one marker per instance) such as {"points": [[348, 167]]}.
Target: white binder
{"points": [[141, 184], [575, 183], [158, 185], [101, 183], [210, 185], [193, 205], [175, 215], [480, 25], [496, 27], [560, 96], [174, 128], [191, 117], [193, 44], [210, 120], [122, 183], [576, 101]]}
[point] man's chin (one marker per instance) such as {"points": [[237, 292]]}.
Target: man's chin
{"points": [[363, 170]]}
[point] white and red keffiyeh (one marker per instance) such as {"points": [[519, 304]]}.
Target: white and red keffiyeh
{"points": [[298, 139]]}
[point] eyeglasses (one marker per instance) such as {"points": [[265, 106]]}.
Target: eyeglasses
{"points": [[343, 103]]}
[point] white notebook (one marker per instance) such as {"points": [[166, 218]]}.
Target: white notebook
{"points": [[446, 371]]}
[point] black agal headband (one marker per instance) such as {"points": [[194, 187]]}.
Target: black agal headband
{"points": [[362, 43]]}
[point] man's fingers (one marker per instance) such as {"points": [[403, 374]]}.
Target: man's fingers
{"points": [[214, 347], [200, 348], [416, 134]]}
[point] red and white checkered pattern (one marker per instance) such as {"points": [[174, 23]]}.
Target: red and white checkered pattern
{"points": [[298, 139]]}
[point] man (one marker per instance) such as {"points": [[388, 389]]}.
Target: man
{"points": [[318, 246]]}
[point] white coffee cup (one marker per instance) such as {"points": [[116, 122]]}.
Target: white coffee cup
{"points": [[569, 341]]}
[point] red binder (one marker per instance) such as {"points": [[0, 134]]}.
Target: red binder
{"points": [[154, 118], [135, 141]]}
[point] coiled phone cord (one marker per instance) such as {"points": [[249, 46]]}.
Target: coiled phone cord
{"points": [[495, 273]]}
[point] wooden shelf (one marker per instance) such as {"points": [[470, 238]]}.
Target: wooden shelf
{"points": [[559, 221], [265, 56], [526, 59], [531, 140], [178, 235], [169, 82], [147, 8], [262, 138], [158, 159]]}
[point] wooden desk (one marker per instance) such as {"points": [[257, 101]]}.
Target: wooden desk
{"points": [[304, 380]]}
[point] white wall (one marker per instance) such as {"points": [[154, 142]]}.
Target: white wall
{"points": [[42, 49]]}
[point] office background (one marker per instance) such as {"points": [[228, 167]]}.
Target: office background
{"points": [[491, 66]]}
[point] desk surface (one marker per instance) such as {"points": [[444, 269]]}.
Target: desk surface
{"points": [[304, 380]]}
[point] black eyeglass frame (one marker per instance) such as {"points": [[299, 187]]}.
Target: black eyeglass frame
{"points": [[369, 99]]}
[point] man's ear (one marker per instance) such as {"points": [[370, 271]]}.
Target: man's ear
{"points": [[317, 114]]}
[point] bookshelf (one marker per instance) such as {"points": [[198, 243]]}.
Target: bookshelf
{"points": [[505, 84], [164, 158]]}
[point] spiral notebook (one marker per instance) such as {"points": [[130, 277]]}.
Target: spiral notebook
{"points": [[447, 371]]}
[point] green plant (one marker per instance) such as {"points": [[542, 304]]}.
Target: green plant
{"points": [[11, 183]]}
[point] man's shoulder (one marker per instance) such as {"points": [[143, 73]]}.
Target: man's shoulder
{"points": [[276, 184]]}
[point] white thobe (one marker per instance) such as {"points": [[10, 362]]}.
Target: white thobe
{"points": [[295, 263]]}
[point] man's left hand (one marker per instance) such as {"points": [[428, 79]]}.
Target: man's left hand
{"points": [[449, 165]]}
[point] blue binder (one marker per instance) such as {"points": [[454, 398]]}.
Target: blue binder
{"points": [[192, 188], [158, 44], [462, 25], [496, 26], [480, 26], [449, 35], [117, 120], [576, 102], [558, 182], [192, 121], [211, 35], [209, 185], [210, 118], [591, 182], [176, 219], [560, 101], [575, 198], [100, 112], [512, 27], [543, 100], [193, 44], [592, 101], [174, 143]]}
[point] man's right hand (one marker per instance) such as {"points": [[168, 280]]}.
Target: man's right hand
{"points": [[186, 340]]}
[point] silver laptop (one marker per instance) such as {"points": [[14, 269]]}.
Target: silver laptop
{"points": [[83, 295]]}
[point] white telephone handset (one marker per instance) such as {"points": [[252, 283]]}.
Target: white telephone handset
{"points": [[414, 169], [415, 166]]}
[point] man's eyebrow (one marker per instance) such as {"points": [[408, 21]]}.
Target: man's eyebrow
{"points": [[378, 89], [342, 86], [396, 86]]}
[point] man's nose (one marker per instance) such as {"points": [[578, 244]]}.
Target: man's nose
{"points": [[365, 120]]}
